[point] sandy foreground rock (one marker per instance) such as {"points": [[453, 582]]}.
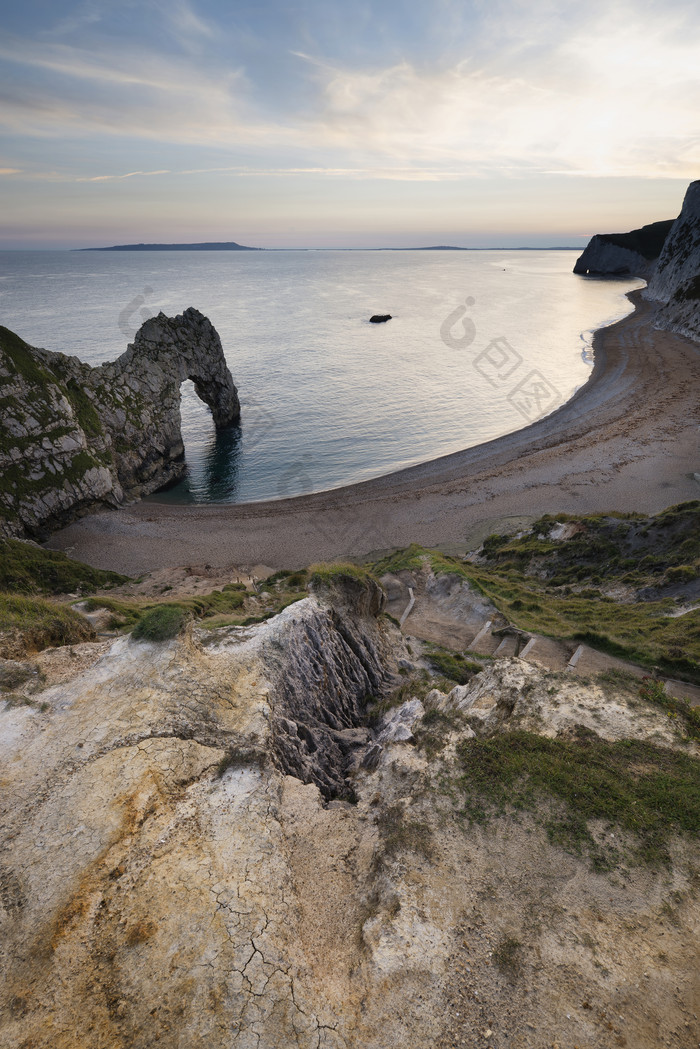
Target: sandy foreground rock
{"points": [[165, 881]]}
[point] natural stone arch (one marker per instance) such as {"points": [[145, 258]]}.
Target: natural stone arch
{"points": [[165, 352], [184, 347], [75, 437]]}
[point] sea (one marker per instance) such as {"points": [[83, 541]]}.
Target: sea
{"points": [[480, 343]]}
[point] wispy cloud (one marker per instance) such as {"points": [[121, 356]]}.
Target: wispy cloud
{"points": [[519, 89], [88, 13], [135, 93], [10, 171], [612, 98], [139, 66], [178, 17], [129, 174], [395, 173], [185, 20]]}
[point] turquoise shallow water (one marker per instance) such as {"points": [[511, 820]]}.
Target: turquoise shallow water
{"points": [[480, 344]]}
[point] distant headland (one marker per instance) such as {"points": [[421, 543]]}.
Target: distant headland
{"points": [[231, 245], [224, 245]]}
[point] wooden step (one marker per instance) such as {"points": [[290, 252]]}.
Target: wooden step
{"points": [[506, 647], [486, 628], [409, 606], [571, 665], [528, 648]]}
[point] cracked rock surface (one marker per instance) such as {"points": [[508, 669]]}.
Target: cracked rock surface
{"points": [[165, 880]]}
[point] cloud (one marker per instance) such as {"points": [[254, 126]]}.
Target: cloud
{"points": [[115, 66], [613, 98], [185, 20], [129, 174], [176, 16], [88, 13], [10, 171], [539, 87], [402, 174], [127, 92], [522, 88]]}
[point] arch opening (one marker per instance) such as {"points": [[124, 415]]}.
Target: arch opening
{"points": [[212, 455]]}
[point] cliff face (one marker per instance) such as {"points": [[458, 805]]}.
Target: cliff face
{"points": [[173, 873], [675, 283], [73, 437], [621, 254], [667, 255]]}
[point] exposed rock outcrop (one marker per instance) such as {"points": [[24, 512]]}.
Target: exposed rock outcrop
{"points": [[325, 668], [73, 437], [163, 881], [676, 280], [622, 254]]}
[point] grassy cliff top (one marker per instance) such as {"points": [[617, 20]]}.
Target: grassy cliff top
{"points": [[624, 584]]}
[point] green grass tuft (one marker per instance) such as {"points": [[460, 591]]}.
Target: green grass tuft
{"points": [[655, 692], [338, 573], [432, 731], [453, 665], [506, 956], [649, 792], [240, 757], [161, 624], [29, 569], [409, 560], [398, 833], [287, 580], [42, 624], [21, 360], [125, 614], [553, 587], [417, 687]]}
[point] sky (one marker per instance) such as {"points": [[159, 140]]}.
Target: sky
{"points": [[323, 124]]}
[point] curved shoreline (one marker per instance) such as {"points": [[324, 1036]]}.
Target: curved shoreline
{"points": [[627, 440]]}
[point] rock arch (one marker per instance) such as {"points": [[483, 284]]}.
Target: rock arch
{"points": [[185, 347], [74, 437], [165, 352]]}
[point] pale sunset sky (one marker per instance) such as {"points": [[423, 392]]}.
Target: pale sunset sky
{"points": [[328, 124]]}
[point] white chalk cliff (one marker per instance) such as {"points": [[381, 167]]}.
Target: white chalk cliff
{"points": [[675, 283], [624, 254], [666, 254]]}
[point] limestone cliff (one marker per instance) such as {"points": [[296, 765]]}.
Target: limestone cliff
{"points": [[178, 867], [73, 437], [667, 255], [622, 254], [675, 283]]}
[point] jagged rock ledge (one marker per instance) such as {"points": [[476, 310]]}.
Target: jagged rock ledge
{"points": [[74, 438]]}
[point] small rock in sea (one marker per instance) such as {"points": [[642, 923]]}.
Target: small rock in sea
{"points": [[380, 318]]}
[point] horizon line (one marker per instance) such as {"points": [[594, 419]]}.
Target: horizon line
{"points": [[242, 248]]}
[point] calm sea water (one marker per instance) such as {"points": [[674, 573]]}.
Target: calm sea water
{"points": [[480, 344]]}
